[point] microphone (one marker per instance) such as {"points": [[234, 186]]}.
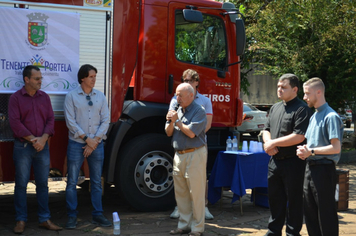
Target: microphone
{"points": [[176, 107]]}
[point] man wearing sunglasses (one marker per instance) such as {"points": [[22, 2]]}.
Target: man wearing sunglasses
{"points": [[192, 77], [87, 116]]}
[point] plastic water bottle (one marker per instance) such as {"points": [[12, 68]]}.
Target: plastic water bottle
{"points": [[234, 144], [116, 221], [228, 144]]}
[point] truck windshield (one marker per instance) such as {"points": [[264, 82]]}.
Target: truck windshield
{"points": [[201, 43]]}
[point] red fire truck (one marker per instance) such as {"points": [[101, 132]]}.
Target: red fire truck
{"points": [[141, 48]]}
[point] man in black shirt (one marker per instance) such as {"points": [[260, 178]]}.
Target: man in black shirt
{"points": [[286, 126]]}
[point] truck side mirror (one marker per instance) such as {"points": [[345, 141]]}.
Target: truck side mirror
{"points": [[192, 16], [240, 37]]}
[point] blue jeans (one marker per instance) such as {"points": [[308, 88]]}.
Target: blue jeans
{"points": [[24, 157], [75, 159]]}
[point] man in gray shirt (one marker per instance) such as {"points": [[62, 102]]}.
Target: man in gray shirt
{"points": [[87, 117], [186, 126], [321, 153]]}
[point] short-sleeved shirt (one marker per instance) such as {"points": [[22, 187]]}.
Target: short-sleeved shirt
{"points": [[81, 118], [285, 119], [195, 118], [30, 115], [324, 125], [199, 99]]}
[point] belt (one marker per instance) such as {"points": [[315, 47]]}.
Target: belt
{"points": [[283, 157], [320, 162], [188, 150], [23, 140]]}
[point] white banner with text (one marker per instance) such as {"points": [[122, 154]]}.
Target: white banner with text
{"points": [[47, 39]]}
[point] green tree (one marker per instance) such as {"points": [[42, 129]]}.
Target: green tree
{"points": [[310, 38]]}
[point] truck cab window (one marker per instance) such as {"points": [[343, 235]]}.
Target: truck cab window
{"points": [[200, 43]]}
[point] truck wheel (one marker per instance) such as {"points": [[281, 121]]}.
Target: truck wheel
{"points": [[144, 173]]}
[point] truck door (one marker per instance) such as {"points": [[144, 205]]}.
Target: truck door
{"points": [[203, 47]]}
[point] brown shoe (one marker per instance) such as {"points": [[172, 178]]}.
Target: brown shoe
{"points": [[178, 231], [20, 227], [49, 225]]}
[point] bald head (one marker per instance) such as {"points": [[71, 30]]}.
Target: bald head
{"points": [[185, 87], [185, 94]]}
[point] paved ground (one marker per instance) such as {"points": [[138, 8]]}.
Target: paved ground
{"points": [[228, 220]]}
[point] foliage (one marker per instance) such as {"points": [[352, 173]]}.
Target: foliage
{"points": [[310, 38]]}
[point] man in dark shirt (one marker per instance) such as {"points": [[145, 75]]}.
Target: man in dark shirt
{"points": [[186, 126], [285, 130], [32, 122]]}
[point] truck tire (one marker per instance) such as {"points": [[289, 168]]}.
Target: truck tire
{"points": [[144, 173]]}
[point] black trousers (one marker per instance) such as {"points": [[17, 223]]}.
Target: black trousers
{"points": [[319, 200], [285, 195]]}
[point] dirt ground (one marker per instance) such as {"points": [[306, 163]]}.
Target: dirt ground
{"points": [[227, 221]]}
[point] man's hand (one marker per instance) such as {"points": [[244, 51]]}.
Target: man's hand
{"points": [[270, 148], [172, 116], [303, 152], [39, 143], [87, 151], [92, 142]]}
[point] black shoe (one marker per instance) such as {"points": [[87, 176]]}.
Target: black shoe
{"points": [[71, 223], [101, 220]]}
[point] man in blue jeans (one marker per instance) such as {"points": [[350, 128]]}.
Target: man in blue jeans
{"points": [[32, 122], [87, 116]]}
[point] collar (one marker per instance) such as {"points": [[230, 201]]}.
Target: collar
{"points": [[188, 107], [80, 91], [290, 102], [38, 92], [322, 107]]}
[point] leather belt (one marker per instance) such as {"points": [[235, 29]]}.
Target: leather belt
{"points": [[188, 150], [23, 140], [283, 157], [320, 162]]}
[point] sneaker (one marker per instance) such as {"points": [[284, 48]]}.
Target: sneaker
{"points": [[101, 220], [208, 215], [71, 223], [175, 214]]}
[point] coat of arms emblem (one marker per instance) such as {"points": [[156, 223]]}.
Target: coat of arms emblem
{"points": [[37, 29]]}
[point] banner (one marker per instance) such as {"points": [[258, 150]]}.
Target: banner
{"points": [[47, 39]]}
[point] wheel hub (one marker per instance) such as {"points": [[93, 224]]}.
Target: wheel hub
{"points": [[154, 174]]}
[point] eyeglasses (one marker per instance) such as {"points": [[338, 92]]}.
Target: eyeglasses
{"points": [[90, 103], [37, 78], [189, 80]]}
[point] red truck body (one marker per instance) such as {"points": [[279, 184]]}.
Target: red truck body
{"points": [[143, 66]]}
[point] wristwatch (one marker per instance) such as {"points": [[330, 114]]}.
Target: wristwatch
{"points": [[85, 138], [312, 152], [175, 122]]}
